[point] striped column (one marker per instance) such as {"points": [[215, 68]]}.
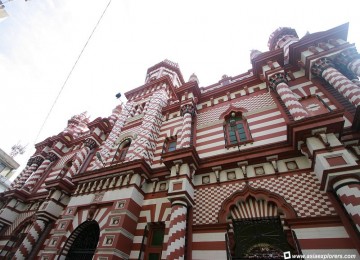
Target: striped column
{"points": [[31, 239], [144, 145], [81, 157], [115, 114], [33, 164], [279, 83], [177, 231], [17, 180], [107, 146], [356, 82], [35, 177], [348, 192], [187, 111], [325, 68], [350, 59]]}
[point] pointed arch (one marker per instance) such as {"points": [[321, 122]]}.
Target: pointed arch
{"points": [[231, 108], [122, 137], [82, 242], [236, 128], [254, 203], [122, 150]]}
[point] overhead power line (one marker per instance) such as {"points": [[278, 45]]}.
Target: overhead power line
{"points": [[70, 72]]}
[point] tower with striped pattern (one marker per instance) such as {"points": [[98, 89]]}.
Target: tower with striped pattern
{"points": [[256, 164]]}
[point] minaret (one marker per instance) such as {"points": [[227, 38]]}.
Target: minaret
{"points": [[164, 68], [281, 39]]}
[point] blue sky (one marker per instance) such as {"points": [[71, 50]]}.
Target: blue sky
{"points": [[41, 40]]}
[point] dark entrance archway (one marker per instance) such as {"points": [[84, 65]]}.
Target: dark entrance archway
{"points": [[256, 228], [260, 238], [81, 244]]}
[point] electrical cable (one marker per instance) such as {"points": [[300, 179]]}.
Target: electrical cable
{"points": [[70, 72]]}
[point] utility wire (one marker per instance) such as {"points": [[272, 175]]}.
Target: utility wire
{"points": [[70, 72]]}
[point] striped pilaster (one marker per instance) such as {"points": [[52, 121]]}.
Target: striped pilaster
{"points": [[177, 232], [35, 163], [107, 146], [16, 182], [291, 102], [115, 114], [342, 84], [80, 157], [31, 239], [78, 161], [354, 66], [145, 144], [348, 191], [35, 177], [186, 131], [356, 82], [187, 111], [350, 59], [278, 82], [324, 68]]}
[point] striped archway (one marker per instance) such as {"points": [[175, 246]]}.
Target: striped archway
{"points": [[253, 208], [254, 203], [255, 220]]}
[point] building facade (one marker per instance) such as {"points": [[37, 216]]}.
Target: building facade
{"points": [[8, 165], [264, 164], [3, 13]]}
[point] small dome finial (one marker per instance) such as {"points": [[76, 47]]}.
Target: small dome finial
{"points": [[254, 53], [194, 78]]}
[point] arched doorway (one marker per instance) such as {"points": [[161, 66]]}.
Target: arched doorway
{"points": [[82, 243], [256, 224]]}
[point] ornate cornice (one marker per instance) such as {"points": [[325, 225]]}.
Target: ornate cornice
{"points": [[346, 57], [188, 109], [276, 79], [91, 143], [38, 160], [320, 65], [52, 157]]}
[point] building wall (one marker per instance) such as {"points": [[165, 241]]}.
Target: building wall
{"points": [[300, 169]]}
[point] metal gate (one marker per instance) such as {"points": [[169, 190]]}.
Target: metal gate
{"points": [[262, 237]]}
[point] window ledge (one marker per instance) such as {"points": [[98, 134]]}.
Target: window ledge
{"points": [[238, 144]]}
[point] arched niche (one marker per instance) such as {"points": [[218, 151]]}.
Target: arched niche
{"points": [[254, 203], [230, 109], [255, 224]]}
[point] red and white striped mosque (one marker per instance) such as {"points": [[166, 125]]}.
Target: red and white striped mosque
{"points": [[262, 165]]}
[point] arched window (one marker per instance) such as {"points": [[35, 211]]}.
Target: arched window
{"points": [[122, 151], [236, 129], [83, 241], [169, 144]]}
